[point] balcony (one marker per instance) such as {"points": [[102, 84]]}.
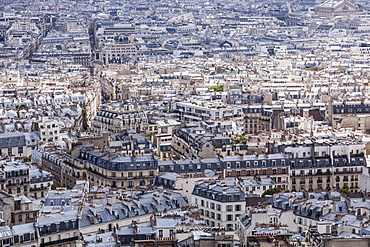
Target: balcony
{"points": [[38, 189], [17, 184], [357, 155], [348, 172], [66, 240]]}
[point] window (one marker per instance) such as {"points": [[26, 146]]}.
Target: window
{"points": [[238, 207], [160, 233], [229, 208], [229, 217]]}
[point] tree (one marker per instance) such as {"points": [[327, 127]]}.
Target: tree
{"points": [[341, 68], [53, 186], [345, 191], [21, 107], [271, 191], [27, 158], [84, 119]]}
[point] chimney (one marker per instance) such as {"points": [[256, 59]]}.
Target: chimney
{"points": [[128, 203], [137, 201], [110, 208], [153, 221], [337, 217], [157, 198], [93, 209]]}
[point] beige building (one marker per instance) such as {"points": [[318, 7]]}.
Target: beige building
{"points": [[118, 118], [47, 128], [332, 8], [115, 52]]}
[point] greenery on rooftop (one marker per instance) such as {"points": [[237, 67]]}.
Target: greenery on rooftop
{"points": [[271, 191], [239, 140], [27, 158], [54, 186], [219, 88], [21, 106], [344, 191]]}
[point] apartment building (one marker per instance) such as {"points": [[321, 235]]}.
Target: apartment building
{"points": [[18, 144], [104, 168], [47, 128], [353, 114], [203, 110], [219, 202], [120, 117]]}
